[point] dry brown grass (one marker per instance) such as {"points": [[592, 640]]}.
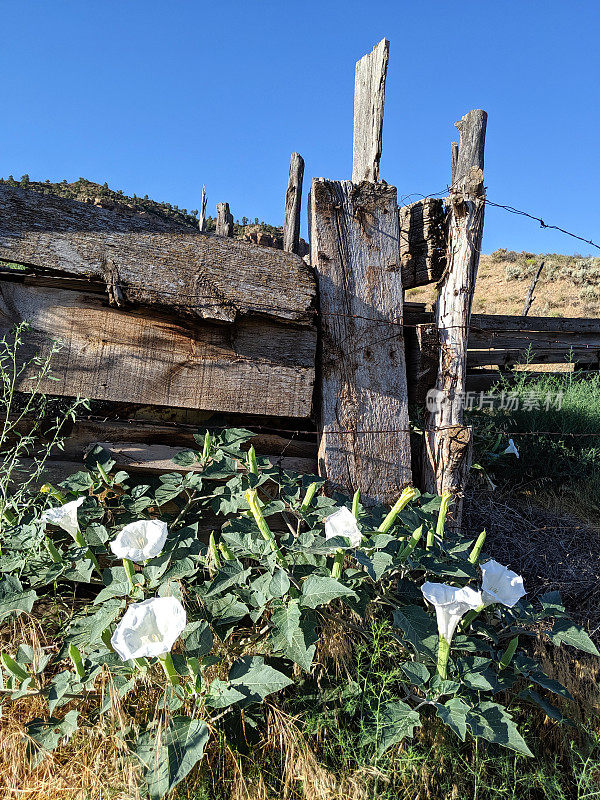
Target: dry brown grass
{"points": [[495, 294]]}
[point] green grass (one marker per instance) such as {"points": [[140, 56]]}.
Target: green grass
{"points": [[559, 447]]}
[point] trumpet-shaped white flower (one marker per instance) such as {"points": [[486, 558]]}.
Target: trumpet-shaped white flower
{"points": [[500, 585], [140, 540], [64, 517], [149, 629], [343, 523], [451, 604], [511, 449]]}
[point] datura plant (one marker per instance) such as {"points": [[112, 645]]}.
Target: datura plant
{"points": [[215, 585]]}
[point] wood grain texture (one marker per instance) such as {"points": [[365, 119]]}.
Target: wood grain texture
{"points": [[364, 410], [154, 263], [224, 220], [369, 99], [444, 468], [254, 367], [422, 242], [202, 218], [293, 204]]}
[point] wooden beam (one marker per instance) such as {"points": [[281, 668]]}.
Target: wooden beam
{"points": [[253, 367], [293, 204], [158, 458], [530, 298], [363, 409], [224, 220], [202, 219], [153, 262], [454, 159], [446, 456], [422, 242], [369, 99]]}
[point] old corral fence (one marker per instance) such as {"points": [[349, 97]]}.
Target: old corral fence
{"points": [[320, 357]]}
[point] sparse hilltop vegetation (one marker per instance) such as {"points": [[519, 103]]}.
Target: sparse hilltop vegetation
{"points": [[115, 200]]}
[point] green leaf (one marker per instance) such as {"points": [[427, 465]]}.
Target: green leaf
{"points": [[255, 679], [318, 591], [232, 573], [62, 683], [492, 722], [294, 634], [185, 458], [419, 629], [279, 584], [168, 757], [46, 736], [418, 674], [566, 632], [198, 639], [17, 603], [391, 723], [550, 710], [454, 713], [116, 584]]}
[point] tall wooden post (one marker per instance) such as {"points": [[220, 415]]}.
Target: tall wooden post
{"points": [[447, 447], [224, 220], [369, 98], [363, 413], [202, 220], [293, 204]]}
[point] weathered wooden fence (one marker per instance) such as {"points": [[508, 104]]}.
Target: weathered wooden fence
{"points": [[320, 356]]}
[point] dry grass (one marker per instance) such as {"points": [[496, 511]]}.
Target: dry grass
{"points": [[553, 550], [556, 294]]}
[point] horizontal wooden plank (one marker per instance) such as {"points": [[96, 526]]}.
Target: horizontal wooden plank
{"points": [[153, 262], [254, 367], [500, 322], [509, 340], [158, 458]]}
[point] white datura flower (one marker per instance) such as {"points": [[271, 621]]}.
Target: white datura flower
{"points": [[500, 585], [64, 517], [343, 523], [451, 604], [149, 629], [140, 540], [511, 449]]}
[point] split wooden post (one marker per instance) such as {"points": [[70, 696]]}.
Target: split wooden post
{"points": [[447, 450], [530, 298], [369, 98], [224, 220], [202, 220], [454, 157], [293, 204], [363, 413]]}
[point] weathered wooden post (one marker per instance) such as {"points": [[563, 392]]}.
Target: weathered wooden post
{"points": [[355, 249], [202, 220], [224, 220], [447, 446], [293, 204], [369, 99]]}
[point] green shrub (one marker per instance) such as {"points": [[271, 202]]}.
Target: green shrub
{"points": [[252, 607]]}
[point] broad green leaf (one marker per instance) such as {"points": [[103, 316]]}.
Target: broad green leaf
{"points": [[116, 584], [255, 679], [419, 629], [389, 724], [566, 632], [418, 674], [318, 591], [552, 711], [46, 736], [15, 604], [168, 756], [294, 634], [492, 722], [279, 584], [232, 573], [198, 639], [454, 713]]}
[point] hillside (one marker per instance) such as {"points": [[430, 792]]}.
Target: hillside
{"points": [[115, 200], [569, 286]]}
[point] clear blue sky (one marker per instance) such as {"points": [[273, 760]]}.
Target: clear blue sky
{"points": [[158, 98]]}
